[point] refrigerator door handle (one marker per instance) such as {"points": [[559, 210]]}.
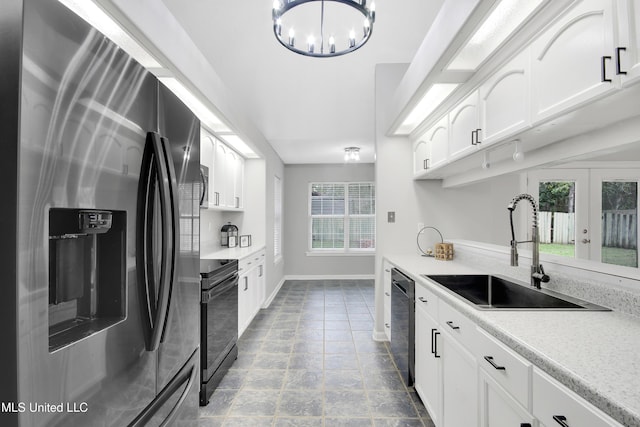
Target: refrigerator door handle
{"points": [[153, 173], [174, 228], [204, 187], [187, 374]]}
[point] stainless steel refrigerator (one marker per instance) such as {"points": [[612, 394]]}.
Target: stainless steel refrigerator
{"points": [[99, 296]]}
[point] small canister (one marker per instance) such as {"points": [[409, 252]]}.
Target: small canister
{"points": [[229, 235]]}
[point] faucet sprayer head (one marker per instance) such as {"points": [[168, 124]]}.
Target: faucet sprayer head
{"points": [[512, 205]]}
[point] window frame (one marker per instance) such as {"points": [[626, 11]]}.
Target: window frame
{"points": [[345, 250]]}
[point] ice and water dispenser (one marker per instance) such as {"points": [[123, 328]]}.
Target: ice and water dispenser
{"points": [[87, 271]]}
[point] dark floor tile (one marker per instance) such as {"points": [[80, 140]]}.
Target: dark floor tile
{"points": [[345, 403], [392, 404], [265, 379], [383, 380], [276, 346], [343, 380], [219, 404], [248, 422], [244, 361], [303, 379], [255, 403], [298, 422], [341, 361], [397, 422], [280, 335], [376, 361], [233, 379], [308, 346], [300, 403], [338, 335], [348, 422], [308, 361], [342, 347], [210, 422], [371, 347], [270, 361], [309, 335]]}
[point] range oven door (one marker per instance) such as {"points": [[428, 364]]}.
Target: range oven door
{"points": [[219, 327]]}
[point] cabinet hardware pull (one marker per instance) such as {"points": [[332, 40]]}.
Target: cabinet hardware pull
{"points": [[492, 363], [561, 419], [422, 299], [525, 424], [474, 135], [451, 325], [246, 283], [478, 136], [618, 67], [603, 65], [435, 344], [387, 294], [386, 325], [387, 270], [425, 164]]}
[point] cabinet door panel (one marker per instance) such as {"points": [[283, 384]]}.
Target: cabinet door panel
{"points": [[218, 198], [464, 119], [629, 26], [504, 100], [438, 143], [498, 408], [460, 385], [428, 381], [567, 59], [419, 156]]}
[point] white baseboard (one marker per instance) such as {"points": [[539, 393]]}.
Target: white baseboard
{"points": [[330, 277], [268, 301], [379, 336]]}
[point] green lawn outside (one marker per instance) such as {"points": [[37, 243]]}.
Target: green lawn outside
{"points": [[617, 256]]}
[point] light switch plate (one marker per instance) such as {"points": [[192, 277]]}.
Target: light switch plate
{"points": [[391, 217]]}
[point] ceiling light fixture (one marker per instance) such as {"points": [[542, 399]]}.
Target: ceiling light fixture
{"points": [[518, 154], [338, 13], [352, 154]]}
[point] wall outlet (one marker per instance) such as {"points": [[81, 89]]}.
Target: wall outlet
{"points": [[391, 217]]}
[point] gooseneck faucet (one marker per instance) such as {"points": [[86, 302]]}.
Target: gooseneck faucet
{"points": [[537, 272]]}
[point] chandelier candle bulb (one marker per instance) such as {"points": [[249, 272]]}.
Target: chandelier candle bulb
{"points": [[311, 43], [279, 26], [292, 37], [332, 44]]}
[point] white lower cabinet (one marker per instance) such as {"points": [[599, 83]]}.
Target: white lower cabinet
{"points": [[251, 291], [460, 385], [466, 377], [428, 369], [554, 404], [498, 408]]}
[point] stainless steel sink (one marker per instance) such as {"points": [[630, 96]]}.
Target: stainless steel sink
{"points": [[489, 292]]}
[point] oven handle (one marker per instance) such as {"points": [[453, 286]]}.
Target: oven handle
{"points": [[220, 288]]}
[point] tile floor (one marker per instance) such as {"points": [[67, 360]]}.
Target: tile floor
{"points": [[309, 361]]}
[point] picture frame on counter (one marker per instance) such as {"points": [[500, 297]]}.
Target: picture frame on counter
{"points": [[245, 240]]}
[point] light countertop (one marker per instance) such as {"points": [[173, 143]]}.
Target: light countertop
{"points": [[232, 253], [596, 354]]}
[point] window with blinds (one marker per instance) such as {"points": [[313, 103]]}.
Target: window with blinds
{"points": [[342, 217], [277, 217]]}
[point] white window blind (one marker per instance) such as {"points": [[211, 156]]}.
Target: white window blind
{"points": [[342, 217], [277, 217]]}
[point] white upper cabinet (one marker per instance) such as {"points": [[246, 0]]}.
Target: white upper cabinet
{"points": [[627, 53], [505, 100], [220, 176], [420, 154], [437, 139], [572, 60], [464, 122]]}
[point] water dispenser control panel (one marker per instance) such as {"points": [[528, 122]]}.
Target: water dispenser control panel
{"points": [[94, 221]]}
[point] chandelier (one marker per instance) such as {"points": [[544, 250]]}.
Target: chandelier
{"points": [[336, 26], [352, 154]]}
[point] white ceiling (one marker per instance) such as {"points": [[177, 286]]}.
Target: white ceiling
{"points": [[309, 109]]}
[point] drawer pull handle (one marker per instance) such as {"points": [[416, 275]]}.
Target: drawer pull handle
{"points": [[434, 343], [422, 299], [525, 424], [387, 270], [603, 65], [386, 325], [618, 68], [387, 294], [452, 326], [492, 363], [561, 419]]}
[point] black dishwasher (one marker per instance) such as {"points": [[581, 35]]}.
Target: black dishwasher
{"points": [[403, 324]]}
